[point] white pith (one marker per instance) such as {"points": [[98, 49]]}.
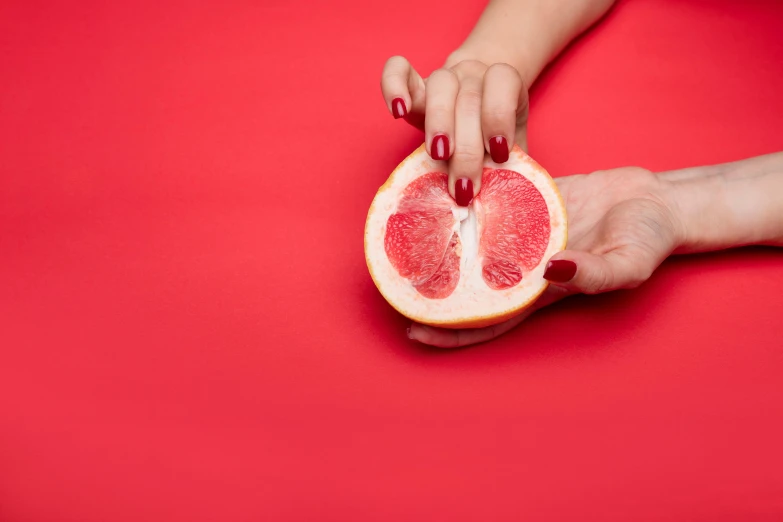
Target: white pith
{"points": [[467, 229], [472, 301]]}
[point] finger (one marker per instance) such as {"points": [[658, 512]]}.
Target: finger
{"points": [[523, 112], [441, 97], [402, 87], [500, 101], [467, 160], [624, 267], [450, 338]]}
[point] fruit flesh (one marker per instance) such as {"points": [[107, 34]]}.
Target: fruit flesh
{"points": [[516, 227], [424, 245], [419, 239]]}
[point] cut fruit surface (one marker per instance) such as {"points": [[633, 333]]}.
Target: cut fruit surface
{"points": [[441, 264], [516, 227], [420, 240]]}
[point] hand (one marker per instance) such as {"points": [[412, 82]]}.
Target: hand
{"points": [[621, 226], [464, 109]]}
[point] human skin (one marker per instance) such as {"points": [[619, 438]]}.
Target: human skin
{"points": [[623, 222], [478, 100]]}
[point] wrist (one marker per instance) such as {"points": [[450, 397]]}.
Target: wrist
{"points": [[488, 54], [694, 208], [729, 205]]}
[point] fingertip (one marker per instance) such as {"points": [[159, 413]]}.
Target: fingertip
{"points": [[396, 86], [560, 270], [440, 147], [438, 337], [584, 272], [498, 149], [463, 191], [398, 108], [417, 332]]}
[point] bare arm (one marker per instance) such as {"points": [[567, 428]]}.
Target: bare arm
{"points": [[729, 205], [477, 103], [527, 34], [624, 222]]}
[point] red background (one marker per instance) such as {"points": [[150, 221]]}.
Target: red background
{"points": [[188, 330]]}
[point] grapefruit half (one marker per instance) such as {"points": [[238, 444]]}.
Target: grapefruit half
{"points": [[459, 267]]}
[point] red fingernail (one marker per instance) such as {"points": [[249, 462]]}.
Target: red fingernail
{"points": [[398, 108], [463, 192], [498, 149], [440, 147], [560, 271]]}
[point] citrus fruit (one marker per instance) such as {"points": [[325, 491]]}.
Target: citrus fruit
{"points": [[458, 267]]}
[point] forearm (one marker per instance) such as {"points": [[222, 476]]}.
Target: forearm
{"points": [[527, 34], [729, 205]]}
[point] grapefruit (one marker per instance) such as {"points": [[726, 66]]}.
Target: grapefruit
{"points": [[458, 267]]}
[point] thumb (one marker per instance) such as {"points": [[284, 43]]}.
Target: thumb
{"points": [[588, 273]]}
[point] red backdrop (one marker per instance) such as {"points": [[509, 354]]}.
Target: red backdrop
{"points": [[188, 330]]}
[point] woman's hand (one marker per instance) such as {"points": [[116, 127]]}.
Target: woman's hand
{"points": [[478, 101], [464, 109], [623, 223], [621, 226]]}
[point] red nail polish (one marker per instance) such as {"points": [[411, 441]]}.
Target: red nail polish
{"points": [[498, 149], [463, 192], [560, 271], [398, 108], [439, 150]]}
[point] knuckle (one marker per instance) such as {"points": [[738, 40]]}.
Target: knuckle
{"points": [[468, 155], [496, 113], [470, 89], [597, 282], [640, 276], [439, 113], [470, 97], [502, 69], [634, 268], [470, 67], [397, 60], [503, 74], [445, 76]]}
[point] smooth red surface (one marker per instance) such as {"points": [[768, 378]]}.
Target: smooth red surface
{"points": [[188, 330], [498, 149], [440, 148]]}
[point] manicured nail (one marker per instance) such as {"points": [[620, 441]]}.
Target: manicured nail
{"points": [[560, 271], [398, 108], [463, 192], [440, 147], [498, 149]]}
